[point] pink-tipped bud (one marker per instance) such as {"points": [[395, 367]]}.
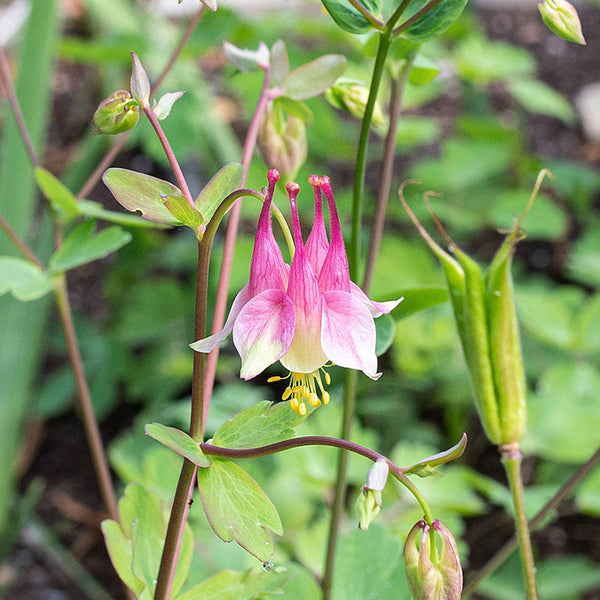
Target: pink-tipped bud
{"points": [[432, 575]]}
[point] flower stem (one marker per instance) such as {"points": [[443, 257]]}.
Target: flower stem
{"points": [[398, 83], [229, 244], [534, 524], [90, 423], [339, 496], [511, 459]]}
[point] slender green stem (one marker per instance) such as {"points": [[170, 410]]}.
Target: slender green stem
{"points": [[361, 156], [511, 459], [339, 496], [90, 423], [535, 523], [230, 240], [398, 83]]}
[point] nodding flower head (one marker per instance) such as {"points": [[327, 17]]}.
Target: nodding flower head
{"points": [[307, 315]]}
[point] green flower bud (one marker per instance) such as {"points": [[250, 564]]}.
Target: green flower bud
{"points": [[369, 503], [352, 97], [282, 141], [562, 19], [116, 114], [432, 575]]}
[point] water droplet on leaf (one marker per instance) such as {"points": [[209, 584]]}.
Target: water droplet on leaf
{"points": [[267, 566]]}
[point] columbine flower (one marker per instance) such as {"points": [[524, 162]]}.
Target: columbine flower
{"points": [[308, 315]]}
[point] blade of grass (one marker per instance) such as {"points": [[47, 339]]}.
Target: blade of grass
{"points": [[21, 325]]}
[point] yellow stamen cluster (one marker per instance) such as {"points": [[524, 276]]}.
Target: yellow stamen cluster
{"points": [[303, 387]]}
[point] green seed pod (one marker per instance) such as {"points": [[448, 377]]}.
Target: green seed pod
{"points": [[505, 344], [282, 141], [116, 114], [562, 19], [476, 347]]}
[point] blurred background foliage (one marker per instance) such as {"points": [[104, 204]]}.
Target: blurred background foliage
{"points": [[478, 133]]}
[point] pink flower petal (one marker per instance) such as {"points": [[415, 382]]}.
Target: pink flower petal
{"points": [[263, 331], [375, 308], [210, 343], [334, 273], [348, 333], [317, 243]]}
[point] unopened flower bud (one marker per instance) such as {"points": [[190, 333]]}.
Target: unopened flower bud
{"points": [[140, 84], [432, 574], [117, 113], [352, 97], [562, 19], [369, 503], [282, 141]]}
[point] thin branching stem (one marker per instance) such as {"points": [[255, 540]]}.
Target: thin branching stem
{"points": [[121, 140]]}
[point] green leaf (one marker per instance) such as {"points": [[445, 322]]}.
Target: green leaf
{"points": [[60, 197], [296, 108], [179, 206], [24, 280], [83, 246], [280, 64], [95, 210], [141, 193], [538, 97], [369, 566], [247, 60], [425, 466], [418, 299], [433, 23], [423, 71], [227, 180], [120, 552], [560, 413], [263, 423], [235, 585], [348, 18], [385, 330], [237, 508], [178, 441], [314, 77]]}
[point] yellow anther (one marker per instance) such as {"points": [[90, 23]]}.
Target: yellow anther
{"points": [[326, 397], [327, 378], [274, 379], [302, 409], [286, 394], [314, 400]]}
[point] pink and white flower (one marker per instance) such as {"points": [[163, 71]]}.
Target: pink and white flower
{"points": [[307, 315]]}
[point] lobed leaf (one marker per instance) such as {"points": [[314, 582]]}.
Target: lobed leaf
{"points": [[24, 280], [348, 18], [433, 23], [314, 77], [237, 508], [83, 246], [258, 425], [178, 441], [225, 181]]}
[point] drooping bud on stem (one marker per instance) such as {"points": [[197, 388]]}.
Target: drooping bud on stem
{"points": [[140, 84], [369, 503], [432, 575]]}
